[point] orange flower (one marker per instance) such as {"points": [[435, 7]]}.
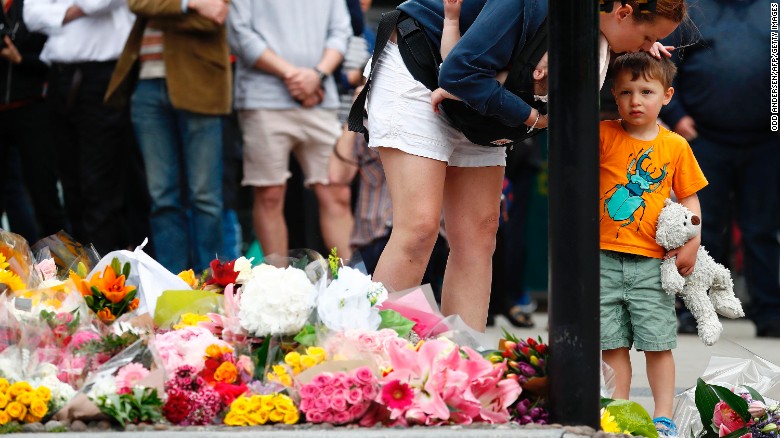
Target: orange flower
{"points": [[81, 285], [133, 305], [213, 351], [105, 315], [111, 286], [226, 373]]}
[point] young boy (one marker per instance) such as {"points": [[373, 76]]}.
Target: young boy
{"points": [[640, 164]]}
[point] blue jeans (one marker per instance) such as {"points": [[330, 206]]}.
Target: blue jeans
{"points": [[183, 158], [744, 185]]}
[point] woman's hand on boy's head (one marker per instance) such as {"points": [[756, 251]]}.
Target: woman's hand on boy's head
{"points": [[657, 49]]}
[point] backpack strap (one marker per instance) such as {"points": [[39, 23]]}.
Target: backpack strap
{"points": [[386, 26]]}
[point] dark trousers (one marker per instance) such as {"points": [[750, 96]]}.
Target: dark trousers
{"points": [[94, 143], [26, 129], [744, 186]]}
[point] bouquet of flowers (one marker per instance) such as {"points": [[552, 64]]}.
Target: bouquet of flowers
{"points": [[190, 400], [261, 409], [106, 294], [20, 402], [351, 300], [742, 413]]}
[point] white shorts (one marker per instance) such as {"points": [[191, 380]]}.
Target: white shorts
{"points": [[400, 116]]}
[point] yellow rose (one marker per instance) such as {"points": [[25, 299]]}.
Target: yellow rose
{"points": [[266, 403], [4, 418], [43, 393], [286, 380], [276, 416], [39, 408], [30, 418], [308, 361], [18, 388], [291, 417], [189, 277], [240, 405], [255, 403], [16, 410], [25, 398], [3, 400], [4, 384], [293, 359], [235, 419], [317, 352], [258, 417], [283, 403]]}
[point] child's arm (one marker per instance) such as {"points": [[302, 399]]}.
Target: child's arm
{"points": [[450, 33], [686, 254]]}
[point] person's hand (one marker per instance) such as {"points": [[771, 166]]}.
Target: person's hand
{"points": [[72, 13], [686, 256], [438, 96], [214, 10], [687, 128], [302, 82], [10, 52], [313, 99], [657, 49]]}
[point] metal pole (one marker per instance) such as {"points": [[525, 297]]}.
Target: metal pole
{"points": [[573, 205]]}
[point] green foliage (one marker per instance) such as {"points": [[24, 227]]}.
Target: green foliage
{"points": [[631, 417], [307, 336], [143, 405], [706, 399], [735, 402], [333, 262], [395, 321], [12, 427], [707, 396], [110, 344]]}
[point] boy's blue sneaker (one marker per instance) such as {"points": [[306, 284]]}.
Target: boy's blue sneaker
{"points": [[665, 427]]}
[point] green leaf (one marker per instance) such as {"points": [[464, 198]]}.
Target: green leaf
{"points": [[395, 321], [737, 433], [260, 356], [605, 402], [126, 270], [755, 394], [307, 336], [706, 399], [632, 418], [735, 402]]}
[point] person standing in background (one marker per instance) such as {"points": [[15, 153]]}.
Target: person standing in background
{"points": [[721, 108], [287, 102], [179, 95], [94, 140], [24, 124]]}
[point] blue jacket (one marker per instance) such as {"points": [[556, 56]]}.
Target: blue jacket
{"points": [[723, 79], [490, 29]]}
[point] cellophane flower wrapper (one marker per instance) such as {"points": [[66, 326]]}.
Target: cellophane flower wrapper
{"points": [[731, 366], [17, 263], [66, 252], [149, 276], [103, 380], [366, 346], [172, 304]]}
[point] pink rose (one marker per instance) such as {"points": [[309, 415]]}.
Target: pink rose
{"points": [[306, 404], [369, 392], [338, 404], [309, 391], [321, 380], [342, 417], [328, 417], [357, 411], [369, 341], [364, 375], [321, 404], [354, 396], [327, 390], [315, 416]]}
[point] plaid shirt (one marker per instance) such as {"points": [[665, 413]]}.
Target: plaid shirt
{"points": [[374, 210]]}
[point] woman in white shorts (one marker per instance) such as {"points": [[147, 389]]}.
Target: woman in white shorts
{"points": [[431, 166]]}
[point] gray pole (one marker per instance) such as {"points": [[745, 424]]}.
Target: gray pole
{"points": [[574, 244]]}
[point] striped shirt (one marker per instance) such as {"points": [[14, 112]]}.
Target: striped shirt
{"points": [[151, 56], [374, 210]]}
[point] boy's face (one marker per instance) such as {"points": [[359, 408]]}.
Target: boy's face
{"points": [[640, 101]]}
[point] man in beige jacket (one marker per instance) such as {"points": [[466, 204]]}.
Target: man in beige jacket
{"points": [[175, 73]]}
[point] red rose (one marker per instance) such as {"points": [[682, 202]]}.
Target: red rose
{"points": [[177, 407], [222, 274], [228, 392]]}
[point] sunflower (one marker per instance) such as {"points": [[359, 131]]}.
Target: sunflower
{"points": [[11, 280], [3, 262]]}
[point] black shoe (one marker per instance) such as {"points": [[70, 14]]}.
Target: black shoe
{"points": [[686, 323], [518, 318]]}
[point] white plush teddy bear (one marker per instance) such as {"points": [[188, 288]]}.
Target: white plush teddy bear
{"points": [[677, 225]]}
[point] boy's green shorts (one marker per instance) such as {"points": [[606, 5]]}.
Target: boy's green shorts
{"points": [[635, 310]]}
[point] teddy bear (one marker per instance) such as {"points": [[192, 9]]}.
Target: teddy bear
{"points": [[677, 225]]}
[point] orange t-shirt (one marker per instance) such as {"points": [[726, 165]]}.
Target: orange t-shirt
{"points": [[636, 176]]}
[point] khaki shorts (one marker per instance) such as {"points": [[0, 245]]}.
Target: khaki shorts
{"points": [[270, 136], [635, 310]]}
